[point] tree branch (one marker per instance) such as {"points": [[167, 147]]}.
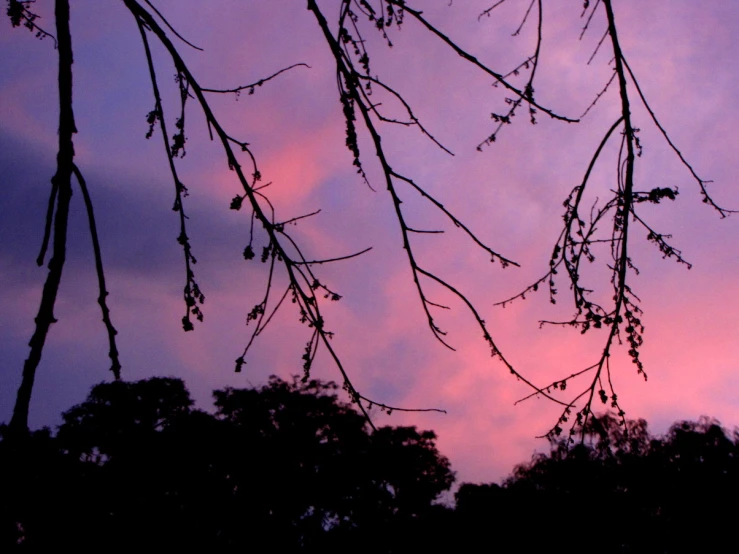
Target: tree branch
{"points": [[62, 184]]}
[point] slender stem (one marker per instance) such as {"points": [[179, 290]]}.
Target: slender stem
{"points": [[115, 365]]}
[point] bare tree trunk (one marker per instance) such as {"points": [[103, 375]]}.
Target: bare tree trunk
{"points": [[62, 183]]}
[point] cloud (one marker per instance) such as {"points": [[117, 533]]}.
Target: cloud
{"points": [[510, 195]]}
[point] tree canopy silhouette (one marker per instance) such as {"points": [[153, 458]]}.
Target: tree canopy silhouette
{"points": [[371, 104], [287, 465], [621, 489]]}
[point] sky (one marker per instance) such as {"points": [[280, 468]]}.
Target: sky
{"points": [[510, 194]]}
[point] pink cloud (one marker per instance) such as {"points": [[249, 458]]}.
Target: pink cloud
{"points": [[510, 194]]}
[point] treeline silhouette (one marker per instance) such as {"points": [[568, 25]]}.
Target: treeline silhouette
{"points": [[289, 467], [619, 490]]}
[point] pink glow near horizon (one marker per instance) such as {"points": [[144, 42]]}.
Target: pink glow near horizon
{"points": [[510, 195]]}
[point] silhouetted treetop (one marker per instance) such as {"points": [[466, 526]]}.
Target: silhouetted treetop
{"points": [[287, 465], [621, 489]]}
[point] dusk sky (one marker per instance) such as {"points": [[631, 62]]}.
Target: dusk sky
{"points": [[510, 195]]}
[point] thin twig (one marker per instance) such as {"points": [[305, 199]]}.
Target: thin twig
{"points": [[102, 298], [258, 83]]}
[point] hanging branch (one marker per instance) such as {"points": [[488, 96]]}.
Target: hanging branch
{"points": [[707, 199], [49, 222], [281, 248], [533, 62], [523, 94], [346, 47], [191, 292], [622, 319], [115, 367], [252, 87], [174, 31], [356, 83], [61, 194], [575, 242], [19, 14]]}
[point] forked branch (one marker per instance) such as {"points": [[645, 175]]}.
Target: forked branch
{"points": [[280, 250], [621, 319]]}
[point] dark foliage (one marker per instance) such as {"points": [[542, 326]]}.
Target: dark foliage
{"points": [[620, 490], [287, 465]]}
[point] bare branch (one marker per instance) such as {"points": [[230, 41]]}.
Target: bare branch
{"points": [[525, 18], [701, 182], [63, 184], [115, 367], [597, 96], [597, 47], [487, 11], [164, 19], [303, 283], [337, 259], [590, 17], [48, 223], [191, 292], [251, 87], [474, 61], [19, 14], [414, 119]]}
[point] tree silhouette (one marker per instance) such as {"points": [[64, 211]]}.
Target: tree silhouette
{"points": [[363, 94], [622, 489], [290, 466], [287, 465]]}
